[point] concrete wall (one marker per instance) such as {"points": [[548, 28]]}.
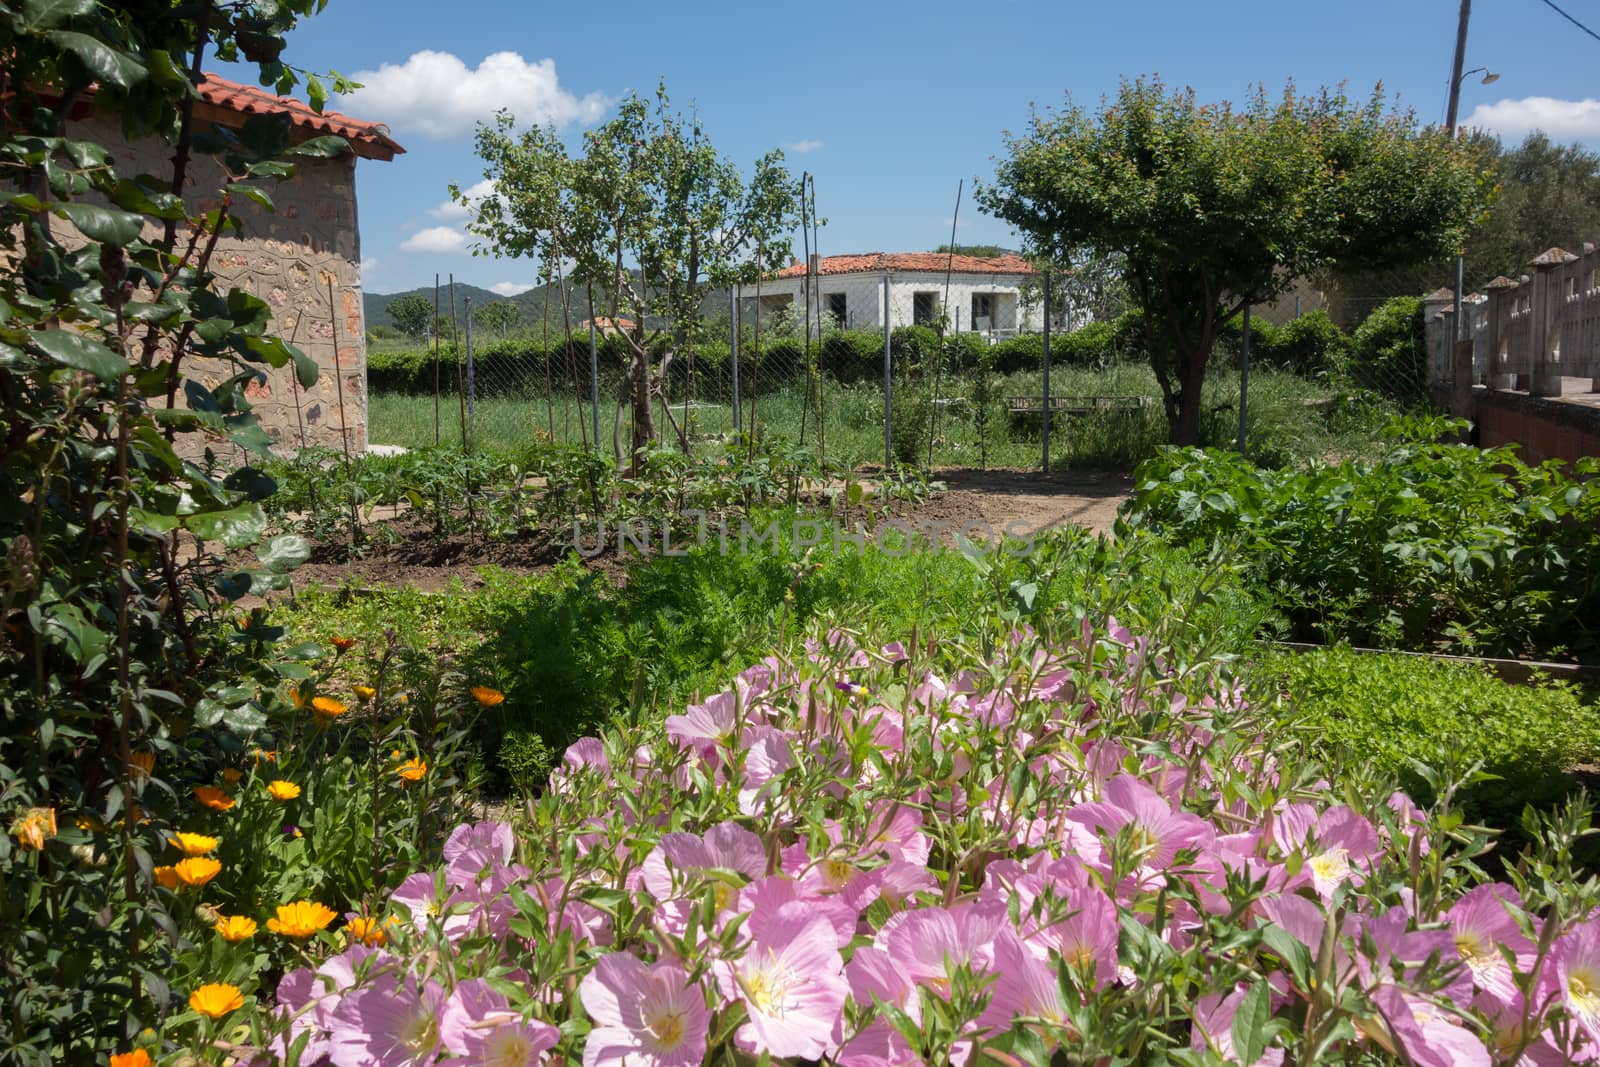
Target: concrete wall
{"points": [[863, 293], [286, 259], [1542, 428]]}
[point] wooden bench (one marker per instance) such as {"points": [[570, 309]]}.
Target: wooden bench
{"points": [[1078, 405]]}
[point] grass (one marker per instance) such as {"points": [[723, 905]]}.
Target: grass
{"points": [[1282, 426]]}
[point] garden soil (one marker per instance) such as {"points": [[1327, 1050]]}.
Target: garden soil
{"points": [[1024, 501]]}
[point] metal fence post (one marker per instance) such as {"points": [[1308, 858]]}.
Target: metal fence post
{"points": [[1044, 415], [1244, 377], [888, 385], [594, 384], [733, 326], [472, 383]]}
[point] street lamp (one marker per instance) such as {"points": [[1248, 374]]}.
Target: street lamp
{"points": [[1489, 76], [1457, 76]]}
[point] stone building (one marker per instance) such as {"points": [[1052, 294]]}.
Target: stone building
{"points": [[286, 257], [984, 292]]}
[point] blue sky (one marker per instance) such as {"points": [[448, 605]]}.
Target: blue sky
{"points": [[889, 105]]}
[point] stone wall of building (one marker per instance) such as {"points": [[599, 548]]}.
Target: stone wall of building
{"points": [[863, 296], [287, 258]]}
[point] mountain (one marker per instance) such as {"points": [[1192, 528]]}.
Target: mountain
{"points": [[530, 303]]}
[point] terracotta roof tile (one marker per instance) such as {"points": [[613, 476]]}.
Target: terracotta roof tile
{"points": [[369, 139], [929, 262], [1553, 255]]}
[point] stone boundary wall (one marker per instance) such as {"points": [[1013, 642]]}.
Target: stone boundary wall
{"points": [[1542, 428]]}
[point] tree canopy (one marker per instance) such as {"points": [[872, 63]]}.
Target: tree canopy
{"points": [[412, 314], [1212, 207], [648, 217]]}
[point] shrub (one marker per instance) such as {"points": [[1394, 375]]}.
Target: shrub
{"points": [[1399, 712], [1389, 354]]}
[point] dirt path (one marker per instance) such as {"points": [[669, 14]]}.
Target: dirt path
{"points": [[1022, 502]]}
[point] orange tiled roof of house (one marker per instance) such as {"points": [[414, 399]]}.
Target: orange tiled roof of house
{"points": [[602, 323], [933, 262], [369, 139]]}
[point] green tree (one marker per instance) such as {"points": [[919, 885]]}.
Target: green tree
{"points": [[108, 631], [649, 218], [501, 316], [1211, 208], [412, 314]]}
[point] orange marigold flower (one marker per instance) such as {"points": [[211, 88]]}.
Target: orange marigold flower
{"points": [[216, 999], [137, 1058], [487, 697], [301, 918], [166, 876], [197, 870], [413, 770], [231, 775], [140, 764], [279, 789], [193, 844], [235, 927], [344, 644], [212, 797], [365, 692], [365, 930], [262, 755], [34, 827], [328, 707], [297, 697]]}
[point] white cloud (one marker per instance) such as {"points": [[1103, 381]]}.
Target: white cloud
{"points": [[436, 95], [510, 288], [454, 210], [1563, 120], [809, 144], [368, 265], [442, 240]]}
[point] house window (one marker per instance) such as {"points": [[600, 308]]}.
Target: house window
{"points": [[922, 305], [836, 308], [983, 311]]}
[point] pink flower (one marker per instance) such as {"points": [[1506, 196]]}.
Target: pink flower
{"points": [[479, 1026], [1156, 832], [386, 1024], [1428, 1037], [309, 997], [1481, 927], [726, 847], [791, 982], [705, 728], [1087, 938], [473, 847], [930, 944], [644, 1016], [873, 977], [1576, 958], [1024, 986]]}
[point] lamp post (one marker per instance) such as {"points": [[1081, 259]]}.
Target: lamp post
{"points": [[1457, 75]]}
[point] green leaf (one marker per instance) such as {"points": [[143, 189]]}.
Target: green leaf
{"points": [[1250, 1024], [99, 58], [253, 193], [305, 368], [77, 351], [66, 625], [236, 527], [243, 718], [46, 14], [316, 93], [321, 148], [284, 553], [103, 224]]}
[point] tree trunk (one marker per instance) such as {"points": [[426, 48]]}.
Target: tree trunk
{"points": [[644, 424], [1184, 423]]}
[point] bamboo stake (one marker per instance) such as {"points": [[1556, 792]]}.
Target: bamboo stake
{"points": [[938, 370], [344, 426]]}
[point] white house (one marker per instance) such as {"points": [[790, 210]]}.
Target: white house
{"points": [[984, 293]]}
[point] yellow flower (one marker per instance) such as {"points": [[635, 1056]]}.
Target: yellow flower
{"points": [[262, 755], [365, 692], [487, 697], [413, 770], [212, 797], [297, 696], [33, 827], [279, 789], [365, 930], [328, 708], [137, 1058], [166, 876], [216, 999], [231, 775], [193, 844], [344, 644], [197, 870], [140, 764], [301, 918], [235, 927]]}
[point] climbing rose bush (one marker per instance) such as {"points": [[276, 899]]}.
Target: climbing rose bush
{"points": [[928, 855]]}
